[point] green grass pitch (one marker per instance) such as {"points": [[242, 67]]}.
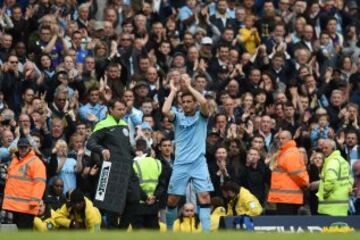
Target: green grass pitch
{"points": [[228, 235]]}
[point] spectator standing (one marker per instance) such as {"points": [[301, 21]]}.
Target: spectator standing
{"points": [[288, 178], [316, 163], [256, 176], [66, 168], [166, 157], [220, 175], [336, 182], [149, 171], [93, 111]]}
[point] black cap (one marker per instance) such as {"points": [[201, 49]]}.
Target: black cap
{"points": [[213, 131], [76, 196], [179, 54], [23, 142]]}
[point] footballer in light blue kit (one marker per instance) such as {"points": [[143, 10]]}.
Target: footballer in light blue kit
{"points": [[190, 141]]}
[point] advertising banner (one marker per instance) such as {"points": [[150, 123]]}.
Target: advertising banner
{"points": [[297, 223]]}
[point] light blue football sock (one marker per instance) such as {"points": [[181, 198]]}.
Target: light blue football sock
{"points": [[204, 215], [171, 214]]}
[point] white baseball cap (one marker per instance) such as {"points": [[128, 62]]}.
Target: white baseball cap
{"points": [[206, 41]]}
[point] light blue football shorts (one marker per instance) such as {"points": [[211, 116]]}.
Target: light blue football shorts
{"points": [[197, 172]]}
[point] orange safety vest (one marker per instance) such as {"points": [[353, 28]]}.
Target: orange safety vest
{"points": [[25, 185], [288, 176]]}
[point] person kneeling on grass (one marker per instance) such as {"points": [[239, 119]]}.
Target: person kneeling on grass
{"points": [[188, 221], [240, 200], [44, 221], [79, 213]]}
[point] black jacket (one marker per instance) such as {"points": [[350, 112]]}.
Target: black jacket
{"points": [[165, 176], [256, 179], [114, 135], [53, 201]]}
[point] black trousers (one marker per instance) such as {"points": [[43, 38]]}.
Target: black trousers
{"points": [[115, 221], [146, 222], [128, 215], [287, 209], [23, 221]]}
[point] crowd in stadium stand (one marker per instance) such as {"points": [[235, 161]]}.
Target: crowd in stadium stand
{"points": [[277, 83]]}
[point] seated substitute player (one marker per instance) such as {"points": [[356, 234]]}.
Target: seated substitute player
{"points": [[190, 162]]}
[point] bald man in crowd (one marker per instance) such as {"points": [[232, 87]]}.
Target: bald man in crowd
{"points": [[289, 176]]}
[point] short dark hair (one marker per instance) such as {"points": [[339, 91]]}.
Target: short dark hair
{"points": [[220, 114], [289, 104], [187, 93], [91, 89], [165, 139], [228, 28], [113, 101], [223, 45], [165, 41], [45, 54], [352, 131], [331, 19], [231, 186], [279, 55], [113, 65], [75, 32], [201, 75], [127, 21], [147, 115], [257, 135], [141, 145], [147, 100], [15, 6]]}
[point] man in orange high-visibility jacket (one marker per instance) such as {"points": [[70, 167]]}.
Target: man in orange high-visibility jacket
{"points": [[25, 185], [289, 177]]}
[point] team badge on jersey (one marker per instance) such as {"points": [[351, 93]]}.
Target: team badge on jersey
{"points": [[125, 132]]}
